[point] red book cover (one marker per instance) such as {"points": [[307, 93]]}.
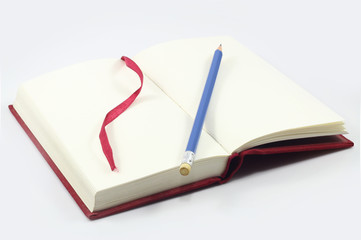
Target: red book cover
{"points": [[234, 163]]}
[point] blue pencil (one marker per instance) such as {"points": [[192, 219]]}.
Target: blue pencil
{"points": [[189, 154]]}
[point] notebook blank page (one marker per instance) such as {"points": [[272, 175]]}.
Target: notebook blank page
{"points": [[251, 99], [148, 138]]}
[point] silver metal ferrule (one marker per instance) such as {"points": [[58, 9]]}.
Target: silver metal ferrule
{"points": [[189, 157]]}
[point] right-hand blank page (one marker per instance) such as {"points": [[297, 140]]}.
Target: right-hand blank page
{"points": [[252, 102]]}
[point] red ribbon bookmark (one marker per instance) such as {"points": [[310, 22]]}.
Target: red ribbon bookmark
{"points": [[114, 113]]}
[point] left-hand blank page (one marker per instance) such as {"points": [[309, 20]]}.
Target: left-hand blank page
{"points": [[65, 110]]}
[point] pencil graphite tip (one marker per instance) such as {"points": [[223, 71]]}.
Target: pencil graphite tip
{"points": [[220, 47]]}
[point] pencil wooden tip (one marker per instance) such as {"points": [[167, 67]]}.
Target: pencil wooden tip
{"points": [[184, 169], [220, 47]]}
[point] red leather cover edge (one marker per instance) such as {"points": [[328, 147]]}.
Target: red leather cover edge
{"points": [[233, 165], [291, 146]]}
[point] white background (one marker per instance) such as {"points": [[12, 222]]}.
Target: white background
{"points": [[315, 43]]}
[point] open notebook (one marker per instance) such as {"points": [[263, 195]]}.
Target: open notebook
{"points": [[252, 104]]}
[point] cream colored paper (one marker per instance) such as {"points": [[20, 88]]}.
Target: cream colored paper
{"points": [[65, 110], [251, 99]]}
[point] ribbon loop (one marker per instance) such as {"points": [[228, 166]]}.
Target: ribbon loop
{"points": [[115, 112]]}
